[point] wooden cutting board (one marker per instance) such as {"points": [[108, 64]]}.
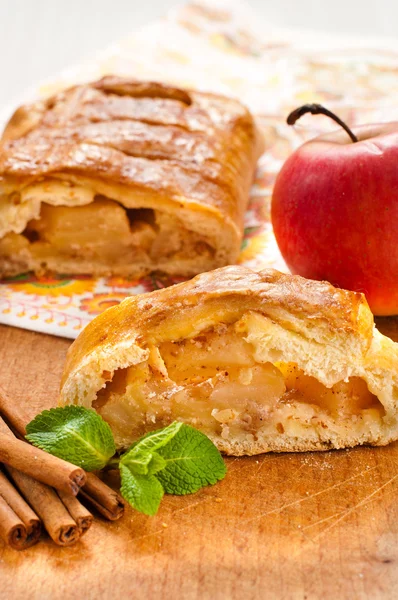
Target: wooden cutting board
{"points": [[305, 526]]}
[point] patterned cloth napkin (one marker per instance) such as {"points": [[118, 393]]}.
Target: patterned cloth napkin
{"points": [[220, 47]]}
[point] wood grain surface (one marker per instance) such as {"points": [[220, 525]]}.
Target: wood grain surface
{"points": [[306, 526]]}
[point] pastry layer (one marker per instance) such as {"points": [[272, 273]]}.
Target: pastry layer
{"points": [[259, 362], [187, 156]]}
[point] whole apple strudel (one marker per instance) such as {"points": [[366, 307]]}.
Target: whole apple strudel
{"points": [[122, 177], [257, 361]]}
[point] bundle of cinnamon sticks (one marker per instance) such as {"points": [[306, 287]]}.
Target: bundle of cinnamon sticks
{"points": [[38, 490]]}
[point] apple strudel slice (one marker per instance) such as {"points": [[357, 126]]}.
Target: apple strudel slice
{"points": [[122, 177], [257, 361]]}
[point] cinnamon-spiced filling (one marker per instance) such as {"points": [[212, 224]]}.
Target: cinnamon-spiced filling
{"points": [[214, 383], [102, 232]]}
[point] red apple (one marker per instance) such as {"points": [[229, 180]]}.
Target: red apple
{"points": [[335, 212]]}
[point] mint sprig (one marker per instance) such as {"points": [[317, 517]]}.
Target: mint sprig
{"points": [[177, 459]]}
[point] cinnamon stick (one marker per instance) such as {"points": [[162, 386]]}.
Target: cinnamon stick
{"points": [[39, 464], [12, 530], [12, 413], [82, 516], [108, 502], [30, 521], [59, 524]]}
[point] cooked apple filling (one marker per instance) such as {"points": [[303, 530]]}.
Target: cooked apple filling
{"points": [[214, 383], [99, 237]]}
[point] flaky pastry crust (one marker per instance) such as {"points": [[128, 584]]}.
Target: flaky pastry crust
{"points": [[264, 325], [185, 155]]}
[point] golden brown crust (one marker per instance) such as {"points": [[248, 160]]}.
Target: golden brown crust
{"points": [[192, 146], [191, 150], [226, 294]]}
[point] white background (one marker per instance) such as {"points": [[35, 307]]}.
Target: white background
{"points": [[40, 37]]}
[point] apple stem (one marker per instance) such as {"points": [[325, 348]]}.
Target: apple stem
{"points": [[318, 109]]}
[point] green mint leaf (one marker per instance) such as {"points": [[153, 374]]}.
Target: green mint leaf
{"points": [[143, 463], [156, 439], [141, 458], [74, 433], [177, 460], [143, 492], [156, 464], [192, 461], [136, 462]]}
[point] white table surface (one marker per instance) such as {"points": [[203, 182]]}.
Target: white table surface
{"points": [[40, 37]]}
